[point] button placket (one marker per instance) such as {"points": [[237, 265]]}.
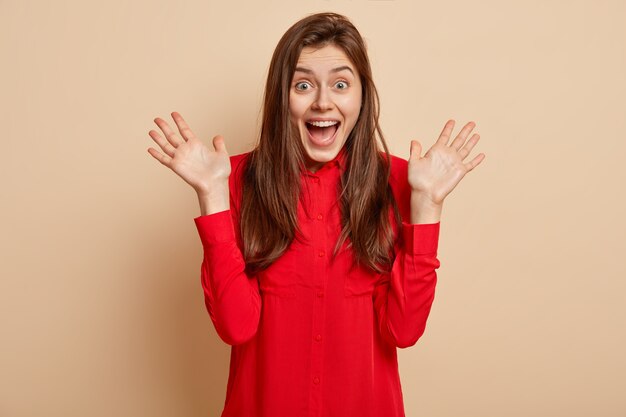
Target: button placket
{"points": [[318, 247]]}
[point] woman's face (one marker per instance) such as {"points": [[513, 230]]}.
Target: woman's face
{"points": [[324, 102]]}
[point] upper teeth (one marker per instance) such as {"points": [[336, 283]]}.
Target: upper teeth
{"points": [[324, 123]]}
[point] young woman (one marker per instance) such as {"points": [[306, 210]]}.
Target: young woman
{"points": [[320, 248]]}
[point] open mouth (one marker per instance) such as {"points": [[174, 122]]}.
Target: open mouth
{"points": [[322, 132]]}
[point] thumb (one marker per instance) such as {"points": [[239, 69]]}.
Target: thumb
{"points": [[416, 150], [218, 143]]}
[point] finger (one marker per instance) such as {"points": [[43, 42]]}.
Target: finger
{"points": [[460, 138], [469, 145], [218, 143], [164, 159], [416, 150], [168, 132], [165, 145], [183, 128], [444, 136], [474, 162]]}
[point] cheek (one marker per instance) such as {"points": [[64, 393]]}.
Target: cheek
{"points": [[297, 106], [352, 106], [351, 113]]}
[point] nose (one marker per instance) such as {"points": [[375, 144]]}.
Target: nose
{"points": [[323, 100]]}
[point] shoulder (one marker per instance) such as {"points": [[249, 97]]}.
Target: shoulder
{"points": [[399, 168], [238, 161], [399, 171], [238, 164], [399, 183], [235, 180]]}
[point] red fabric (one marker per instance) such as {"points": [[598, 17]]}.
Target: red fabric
{"points": [[310, 337]]}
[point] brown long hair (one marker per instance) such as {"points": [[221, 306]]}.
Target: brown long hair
{"points": [[269, 204]]}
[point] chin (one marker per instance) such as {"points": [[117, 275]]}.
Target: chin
{"points": [[317, 157]]}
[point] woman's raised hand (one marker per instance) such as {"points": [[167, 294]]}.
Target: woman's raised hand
{"points": [[206, 170], [435, 175]]}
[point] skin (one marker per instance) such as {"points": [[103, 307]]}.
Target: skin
{"points": [[432, 177], [326, 85]]}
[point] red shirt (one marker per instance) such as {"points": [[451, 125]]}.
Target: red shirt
{"points": [[309, 336]]}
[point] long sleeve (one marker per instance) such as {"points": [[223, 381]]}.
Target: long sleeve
{"points": [[403, 298], [231, 297]]}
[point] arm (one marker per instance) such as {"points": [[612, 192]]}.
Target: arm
{"points": [[231, 297], [403, 298]]}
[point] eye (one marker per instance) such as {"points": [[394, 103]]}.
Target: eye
{"points": [[302, 86], [342, 85]]}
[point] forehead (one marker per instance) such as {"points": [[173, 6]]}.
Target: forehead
{"points": [[329, 55]]}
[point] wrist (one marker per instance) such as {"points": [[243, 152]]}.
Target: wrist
{"points": [[215, 200], [424, 209], [212, 189]]}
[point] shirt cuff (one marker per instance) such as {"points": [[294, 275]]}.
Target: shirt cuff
{"points": [[421, 239], [215, 228]]}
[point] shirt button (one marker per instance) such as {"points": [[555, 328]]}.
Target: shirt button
{"points": [[320, 217], [322, 253], [320, 294], [316, 180], [318, 337], [316, 380]]}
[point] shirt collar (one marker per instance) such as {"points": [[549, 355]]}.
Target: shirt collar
{"points": [[340, 159]]}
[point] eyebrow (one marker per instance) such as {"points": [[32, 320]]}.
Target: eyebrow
{"points": [[338, 69]]}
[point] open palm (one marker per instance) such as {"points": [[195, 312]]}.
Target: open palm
{"points": [[188, 157], [442, 167]]}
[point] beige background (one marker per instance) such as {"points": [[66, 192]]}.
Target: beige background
{"points": [[102, 308]]}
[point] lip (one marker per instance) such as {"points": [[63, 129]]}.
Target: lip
{"points": [[327, 142], [320, 119]]}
